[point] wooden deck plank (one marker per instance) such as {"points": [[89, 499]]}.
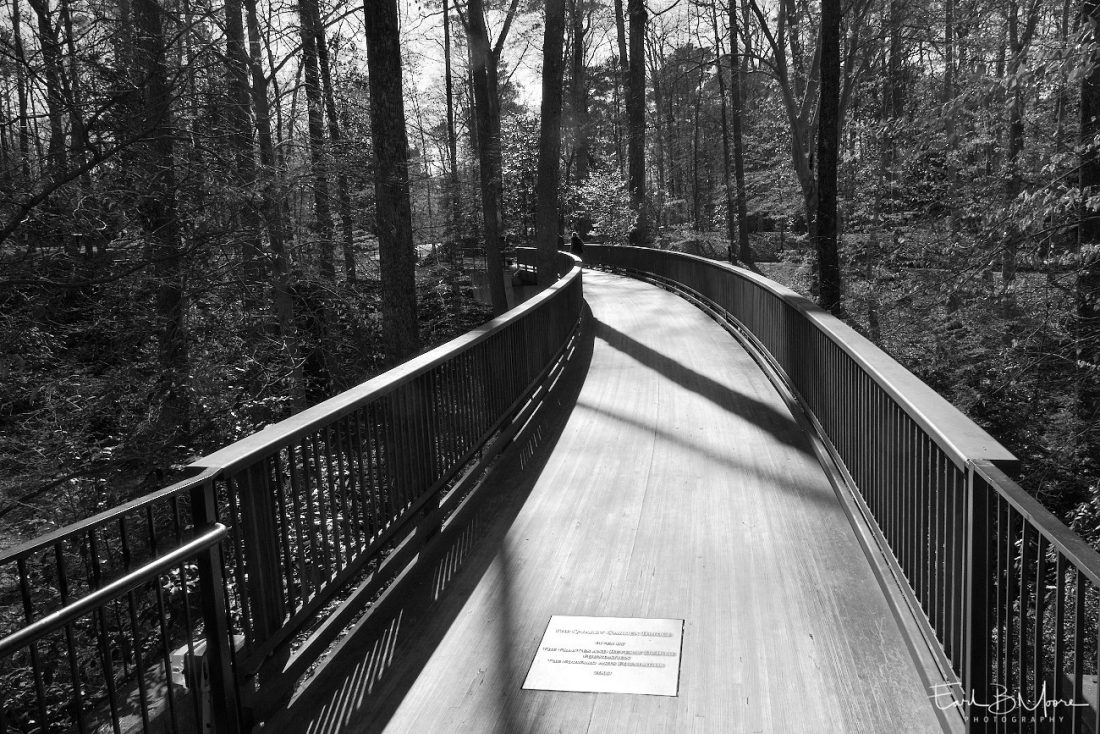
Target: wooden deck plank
{"points": [[672, 482]]}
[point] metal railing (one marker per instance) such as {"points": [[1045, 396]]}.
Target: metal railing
{"points": [[1007, 595], [237, 579]]}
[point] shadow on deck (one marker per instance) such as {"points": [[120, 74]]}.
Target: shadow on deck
{"points": [[663, 477]]}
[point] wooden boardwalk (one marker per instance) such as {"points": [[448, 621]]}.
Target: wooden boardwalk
{"points": [[665, 478]]}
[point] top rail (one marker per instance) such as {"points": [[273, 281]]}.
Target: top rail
{"points": [[772, 313], [304, 511], [1008, 597], [233, 456], [101, 597]]}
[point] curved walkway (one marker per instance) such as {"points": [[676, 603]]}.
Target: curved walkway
{"points": [[664, 478]]}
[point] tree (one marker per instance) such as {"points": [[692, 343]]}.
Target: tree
{"points": [[1087, 292], [736, 112], [485, 62], [549, 173], [731, 203], [239, 111], [828, 133], [158, 215], [635, 112], [395, 245], [322, 206]]}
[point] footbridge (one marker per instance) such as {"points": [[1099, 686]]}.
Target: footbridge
{"points": [[663, 495]]}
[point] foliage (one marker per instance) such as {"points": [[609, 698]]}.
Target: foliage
{"points": [[604, 200]]}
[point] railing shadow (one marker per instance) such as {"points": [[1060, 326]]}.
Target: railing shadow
{"points": [[360, 685], [779, 424]]}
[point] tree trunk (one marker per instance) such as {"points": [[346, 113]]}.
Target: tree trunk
{"points": [[343, 193], [272, 212], [737, 67], [622, 131], [828, 133], [21, 82], [580, 101], [400, 329], [315, 113], [454, 191], [696, 193], [157, 210], [731, 217], [549, 173], [239, 114], [55, 102], [487, 106], [635, 109], [76, 115], [1087, 323], [1019, 40]]}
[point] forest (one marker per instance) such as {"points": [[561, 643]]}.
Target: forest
{"points": [[215, 214]]}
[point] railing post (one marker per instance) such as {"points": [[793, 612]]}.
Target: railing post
{"points": [[979, 599], [223, 682]]}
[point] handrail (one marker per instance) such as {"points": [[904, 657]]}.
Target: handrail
{"points": [[232, 457], [301, 509], [959, 437], [1007, 596], [68, 532], [71, 612]]}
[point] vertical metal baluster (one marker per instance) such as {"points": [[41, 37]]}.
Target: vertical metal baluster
{"points": [[902, 542], [449, 405], [920, 522], [963, 520], [28, 617], [1008, 545], [334, 435], [388, 449], [935, 541], [1096, 689], [422, 424], [947, 568], [339, 541], [190, 638], [104, 637], [413, 458], [998, 606], [370, 481], [299, 485], [284, 479], [1037, 637], [232, 488], [377, 416], [188, 619], [912, 491], [70, 642], [463, 402], [1059, 631], [135, 628], [434, 425], [318, 484], [1024, 596], [950, 598], [1078, 647], [354, 481], [273, 472], [406, 453], [162, 620]]}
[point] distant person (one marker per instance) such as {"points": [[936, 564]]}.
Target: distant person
{"points": [[576, 244]]}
